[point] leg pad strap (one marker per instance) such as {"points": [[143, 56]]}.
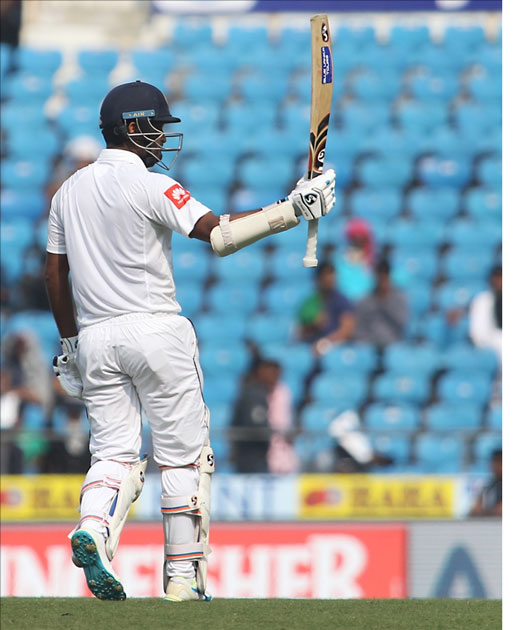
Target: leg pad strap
{"points": [[176, 505]]}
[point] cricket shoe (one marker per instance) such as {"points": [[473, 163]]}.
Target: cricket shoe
{"points": [[181, 589], [88, 552]]}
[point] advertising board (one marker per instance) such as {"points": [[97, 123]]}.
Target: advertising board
{"points": [[274, 560]]}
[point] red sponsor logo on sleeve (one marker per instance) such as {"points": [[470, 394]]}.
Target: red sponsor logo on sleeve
{"points": [[178, 196]]}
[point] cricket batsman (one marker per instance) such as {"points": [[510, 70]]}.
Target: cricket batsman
{"points": [[126, 348]]}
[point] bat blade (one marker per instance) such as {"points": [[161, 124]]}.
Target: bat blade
{"points": [[321, 96]]}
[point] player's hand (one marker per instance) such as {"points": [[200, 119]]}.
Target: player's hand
{"points": [[66, 369], [314, 198]]}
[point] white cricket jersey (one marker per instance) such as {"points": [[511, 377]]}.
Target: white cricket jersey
{"points": [[114, 221]]}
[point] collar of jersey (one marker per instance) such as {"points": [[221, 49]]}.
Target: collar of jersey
{"points": [[119, 155]]}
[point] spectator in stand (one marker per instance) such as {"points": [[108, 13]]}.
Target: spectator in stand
{"points": [[262, 422], [485, 315], [355, 268], [489, 501], [382, 316], [68, 450], [326, 317], [28, 373]]}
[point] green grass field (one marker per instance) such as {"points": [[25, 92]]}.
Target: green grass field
{"points": [[20, 613]]}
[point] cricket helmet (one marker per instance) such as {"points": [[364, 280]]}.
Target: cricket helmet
{"points": [[147, 106]]}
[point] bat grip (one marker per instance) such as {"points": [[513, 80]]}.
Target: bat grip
{"points": [[310, 258]]}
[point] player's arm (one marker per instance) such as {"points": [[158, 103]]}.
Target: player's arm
{"points": [[229, 233], [59, 294]]}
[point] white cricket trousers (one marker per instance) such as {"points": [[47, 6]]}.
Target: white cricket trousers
{"points": [[134, 363]]}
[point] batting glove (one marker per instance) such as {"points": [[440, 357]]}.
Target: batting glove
{"points": [[314, 198], [66, 369]]}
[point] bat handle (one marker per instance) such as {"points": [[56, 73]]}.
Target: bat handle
{"points": [[310, 258]]}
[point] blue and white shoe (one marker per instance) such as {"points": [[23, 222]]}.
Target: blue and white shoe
{"points": [[182, 589], [88, 549]]}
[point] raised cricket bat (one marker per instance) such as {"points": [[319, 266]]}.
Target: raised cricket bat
{"points": [[321, 95]]}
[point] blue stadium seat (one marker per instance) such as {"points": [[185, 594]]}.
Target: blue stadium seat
{"points": [[24, 175], [237, 298], [439, 454], [287, 261], [461, 386], [84, 92], [267, 329], [444, 172], [220, 388], [200, 87], [246, 266], [489, 173], [43, 63], [257, 196], [33, 115], [422, 116], [475, 235], [485, 88], [271, 172], [22, 203], [77, 120], [373, 86], [218, 358], [316, 454], [435, 328], [347, 391], [391, 142], [356, 358], [372, 202], [415, 264], [476, 119], [494, 418], [204, 172], [189, 295], [242, 116], [145, 61], [458, 39], [429, 87], [397, 447], [97, 62], [448, 416], [409, 38], [316, 417], [220, 327], [214, 197], [382, 172], [415, 234], [491, 57], [256, 87], [219, 417], [447, 140], [189, 33], [410, 358], [392, 417], [453, 295], [294, 118], [437, 203], [191, 264], [39, 323], [28, 89], [16, 232], [418, 295], [294, 357], [399, 387], [482, 202], [484, 445], [360, 37], [365, 117], [465, 265], [464, 356]]}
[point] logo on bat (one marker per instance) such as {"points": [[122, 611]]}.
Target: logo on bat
{"points": [[324, 32], [327, 65]]}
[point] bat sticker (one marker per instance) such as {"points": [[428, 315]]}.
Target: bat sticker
{"points": [[317, 146], [327, 65], [324, 32]]}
